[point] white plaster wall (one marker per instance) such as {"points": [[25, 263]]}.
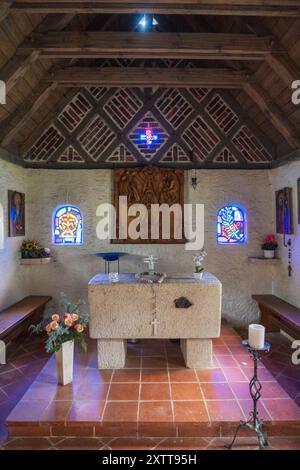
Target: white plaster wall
{"points": [[13, 276], [87, 188], [284, 286]]}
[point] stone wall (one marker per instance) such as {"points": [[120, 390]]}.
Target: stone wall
{"points": [[13, 277], [285, 286], [75, 265]]}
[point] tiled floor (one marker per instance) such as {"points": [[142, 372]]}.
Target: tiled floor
{"points": [[153, 397]]}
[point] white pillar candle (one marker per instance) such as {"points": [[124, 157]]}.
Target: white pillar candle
{"points": [[256, 336]]}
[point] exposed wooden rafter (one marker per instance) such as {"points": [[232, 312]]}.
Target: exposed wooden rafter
{"points": [[45, 123], [148, 77], [284, 66], [14, 123], [289, 8], [273, 113], [149, 45], [4, 10], [17, 66]]}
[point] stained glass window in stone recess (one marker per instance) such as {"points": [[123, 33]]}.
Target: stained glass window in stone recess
{"points": [[67, 226], [231, 226]]}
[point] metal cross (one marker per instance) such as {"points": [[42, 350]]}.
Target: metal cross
{"points": [[154, 324]]}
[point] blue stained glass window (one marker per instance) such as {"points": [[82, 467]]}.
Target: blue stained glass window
{"points": [[67, 226], [231, 226]]}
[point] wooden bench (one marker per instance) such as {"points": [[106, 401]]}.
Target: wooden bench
{"points": [[276, 315], [17, 318]]}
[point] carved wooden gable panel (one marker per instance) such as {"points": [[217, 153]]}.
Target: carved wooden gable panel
{"points": [[105, 128]]}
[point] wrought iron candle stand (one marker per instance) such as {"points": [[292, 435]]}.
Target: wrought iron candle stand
{"points": [[254, 423]]}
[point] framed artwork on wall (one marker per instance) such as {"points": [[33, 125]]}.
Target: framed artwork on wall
{"points": [[284, 211], [16, 214]]}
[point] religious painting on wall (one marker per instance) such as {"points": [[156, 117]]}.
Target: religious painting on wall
{"points": [[150, 186], [284, 212], [16, 214]]}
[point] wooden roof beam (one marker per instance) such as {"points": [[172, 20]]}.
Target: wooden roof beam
{"points": [[273, 113], [148, 77], [97, 44], [5, 10], [279, 8], [14, 123], [284, 66], [18, 66]]}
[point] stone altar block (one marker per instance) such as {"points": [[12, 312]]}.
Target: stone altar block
{"points": [[135, 309]]}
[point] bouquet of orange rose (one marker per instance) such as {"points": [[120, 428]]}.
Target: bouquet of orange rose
{"points": [[63, 327]]}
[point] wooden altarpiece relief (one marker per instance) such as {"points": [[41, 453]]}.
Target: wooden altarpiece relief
{"points": [[150, 185]]}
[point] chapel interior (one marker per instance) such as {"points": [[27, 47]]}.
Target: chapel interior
{"points": [[178, 340]]}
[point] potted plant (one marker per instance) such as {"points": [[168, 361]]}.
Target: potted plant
{"points": [[198, 258], [269, 246], [33, 252], [63, 329]]}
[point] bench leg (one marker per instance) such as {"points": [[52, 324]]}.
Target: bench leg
{"points": [[2, 352], [266, 320]]}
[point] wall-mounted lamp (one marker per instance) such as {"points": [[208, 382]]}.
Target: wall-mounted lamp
{"points": [[194, 179]]}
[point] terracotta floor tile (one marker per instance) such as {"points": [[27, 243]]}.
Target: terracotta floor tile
{"points": [[190, 411], [94, 391], [154, 362], [263, 374], [240, 390], [182, 375], [216, 391], [155, 375], [285, 443], [28, 443], [282, 409], [124, 391], [224, 410], [237, 349], [86, 410], [186, 391], [126, 375], [155, 391], [41, 391], [155, 412], [234, 374], [222, 349], [247, 406], [127, 443], [211, 375], [9, 377], [94, 375], [57, 411], [118, 411], [28, 410], [291, 386], [65, 392], [272, 390], [175, 362], [185, 443], [80, 443], [133, 363], [226, 361]]}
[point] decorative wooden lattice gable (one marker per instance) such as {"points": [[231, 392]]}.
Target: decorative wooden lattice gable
{"points": [[104, 128]]}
